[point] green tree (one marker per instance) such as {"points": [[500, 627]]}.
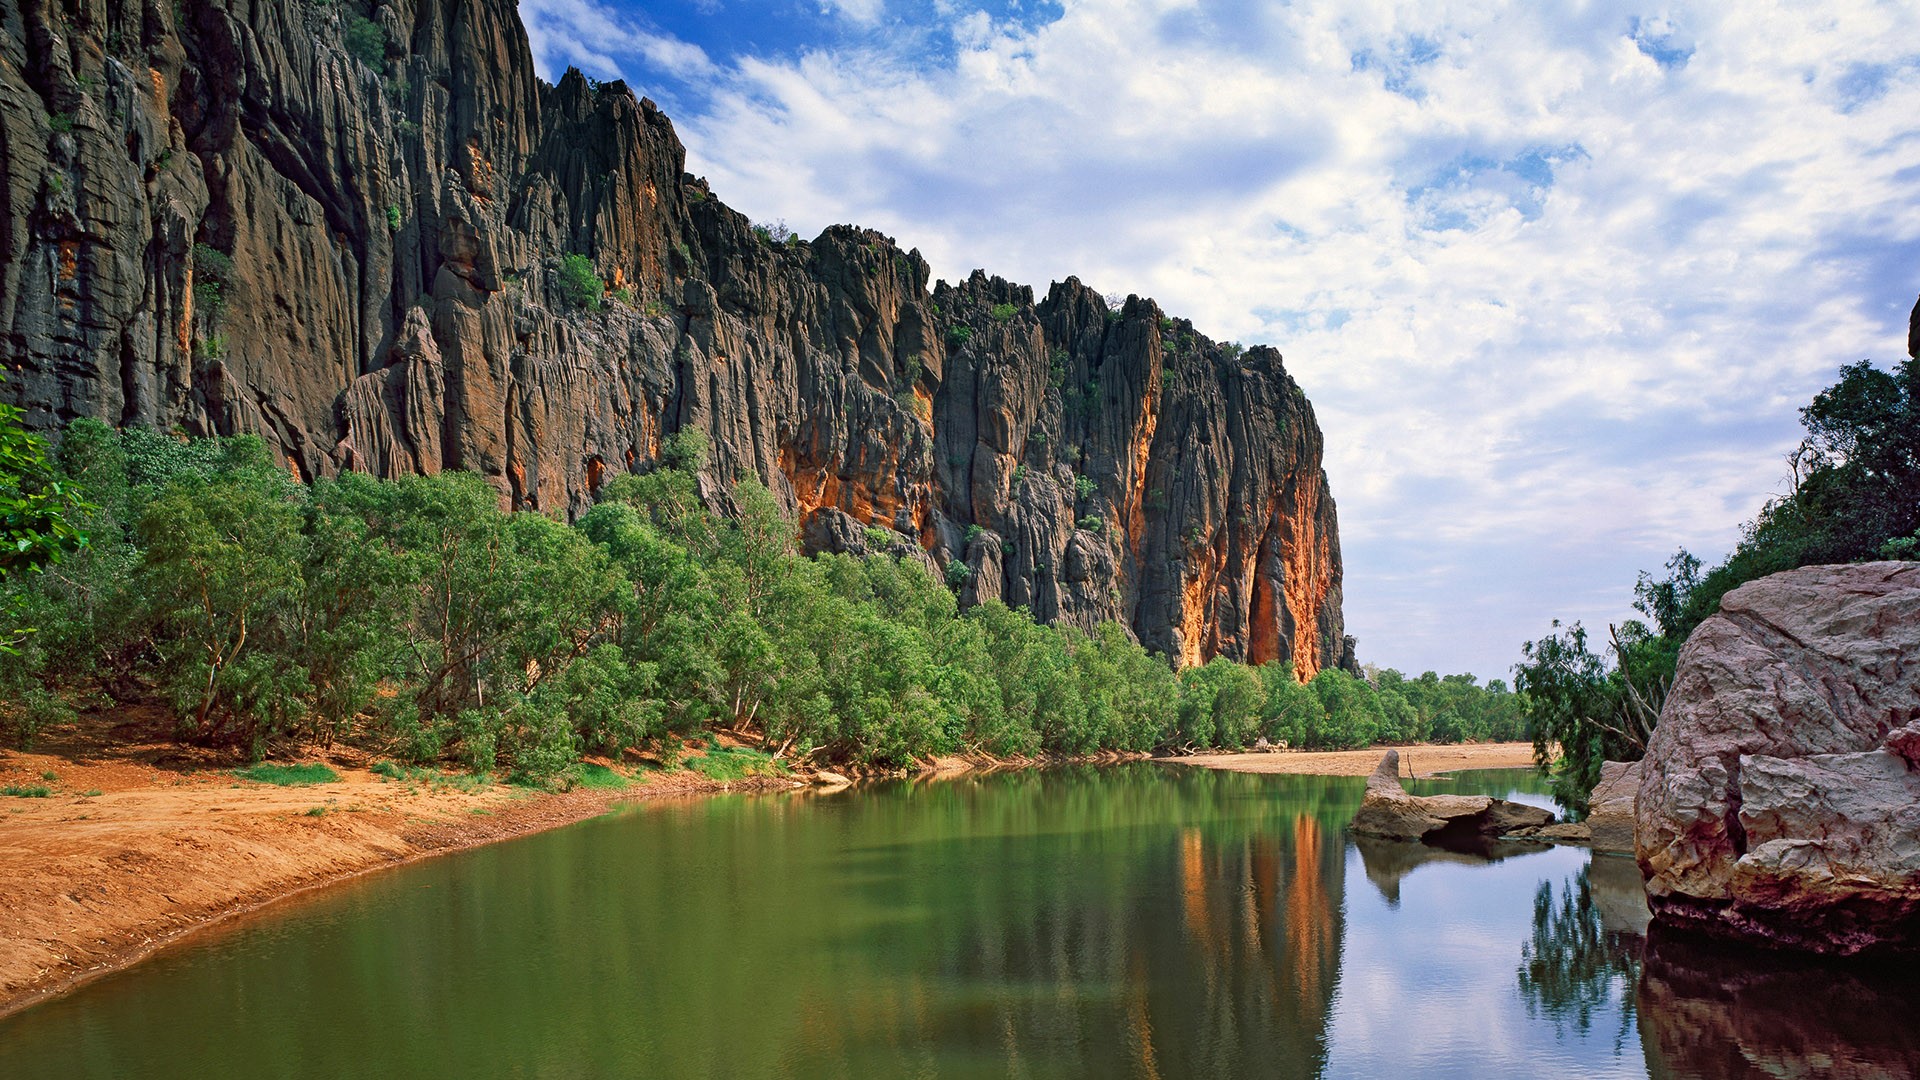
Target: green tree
{"points": [[1583, 711], [220, 566]]}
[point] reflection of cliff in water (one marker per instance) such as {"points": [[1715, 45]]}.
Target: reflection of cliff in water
{"points": [[1710, 1011], [1584, 957], [1244, 987]]}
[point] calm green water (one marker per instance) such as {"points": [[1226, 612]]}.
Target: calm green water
{"points": [[1142, 921]]}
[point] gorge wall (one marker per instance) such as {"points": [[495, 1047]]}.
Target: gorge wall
{"points": [[222, 219]]}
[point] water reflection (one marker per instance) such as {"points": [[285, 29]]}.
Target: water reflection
{"points": [[1709, 1012], [1583, 959], [1128, 922]]}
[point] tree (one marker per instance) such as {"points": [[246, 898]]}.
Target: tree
{"points": [[221, 570], [1583, 711]]}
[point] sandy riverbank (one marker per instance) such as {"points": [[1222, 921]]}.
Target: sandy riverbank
{"points": [[1422, 760], [141, 843]]}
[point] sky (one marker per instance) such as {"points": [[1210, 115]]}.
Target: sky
{"points": [[1557, 278]]}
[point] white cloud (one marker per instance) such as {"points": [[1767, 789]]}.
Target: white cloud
{"points": [[591, 36], [1556, 280]]}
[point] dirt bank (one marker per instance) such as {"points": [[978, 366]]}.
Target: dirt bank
{"points": [[1422, 760], [139, 843]]}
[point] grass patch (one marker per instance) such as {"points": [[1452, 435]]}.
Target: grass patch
{"points": [[318, 811], [19, 792], [433, 778], [288, 775], [90, 793], [49, 775], [736, 763], [588, 775]]}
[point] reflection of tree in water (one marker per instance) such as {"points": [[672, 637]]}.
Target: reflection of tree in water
{"points": [[1576, 966]]}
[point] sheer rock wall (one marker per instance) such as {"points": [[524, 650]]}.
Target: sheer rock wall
{"points": [[391, 305]]}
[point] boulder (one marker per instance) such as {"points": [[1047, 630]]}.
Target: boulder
{"points": [[1387, 811], [1610, 814], [1778, 800]]}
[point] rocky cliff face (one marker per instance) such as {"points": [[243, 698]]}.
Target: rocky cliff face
{"points": [[221, 219]]}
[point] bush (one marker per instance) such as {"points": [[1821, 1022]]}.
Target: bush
{"points": [[365, 40], [579, 283], [1003, 312], [288, 775]]}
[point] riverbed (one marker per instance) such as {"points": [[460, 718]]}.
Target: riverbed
{"points": [[1134, 920]]}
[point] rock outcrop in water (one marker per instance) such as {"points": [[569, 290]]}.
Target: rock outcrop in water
{"points": [[1780, 800], [220, 219], [1388, 812]]}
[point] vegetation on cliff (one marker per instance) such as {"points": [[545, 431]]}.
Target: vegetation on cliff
{"points": [[416, 615], [1854, 496]]}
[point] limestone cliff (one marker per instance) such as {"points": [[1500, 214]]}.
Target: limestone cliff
{"points": [[221, 218]]}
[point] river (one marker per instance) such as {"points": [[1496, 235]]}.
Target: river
{"points": [[1131, 921]]}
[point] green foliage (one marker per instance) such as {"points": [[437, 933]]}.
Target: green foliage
{"points": [[40, 523], [60, 122], [579, 282], [1855, 496], [393, 219], [878, 538], [623, 296], [973, 533], [1583, 710], [37, 710], [735, 763], [418, 618], [288, 775], [597, 777], [1084, 487], [958, 573], [1093, 523], [1003, 312], [21, 791], [365, 40], [959, 335]]}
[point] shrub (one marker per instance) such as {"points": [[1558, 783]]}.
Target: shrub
{"points": [[579, 283], [1003, 312], [37, 711], [288, 775], [393, 219], [1093, 523], [958, 336], [957, 573], [366, 40], [973, 533], [1084, 487], [22, 792], [878, 538]]}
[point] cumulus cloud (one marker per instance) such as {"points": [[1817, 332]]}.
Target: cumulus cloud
{"points": [[1556, 279]]}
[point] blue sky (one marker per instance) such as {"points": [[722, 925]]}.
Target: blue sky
{"points": [[1557, 277]]}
